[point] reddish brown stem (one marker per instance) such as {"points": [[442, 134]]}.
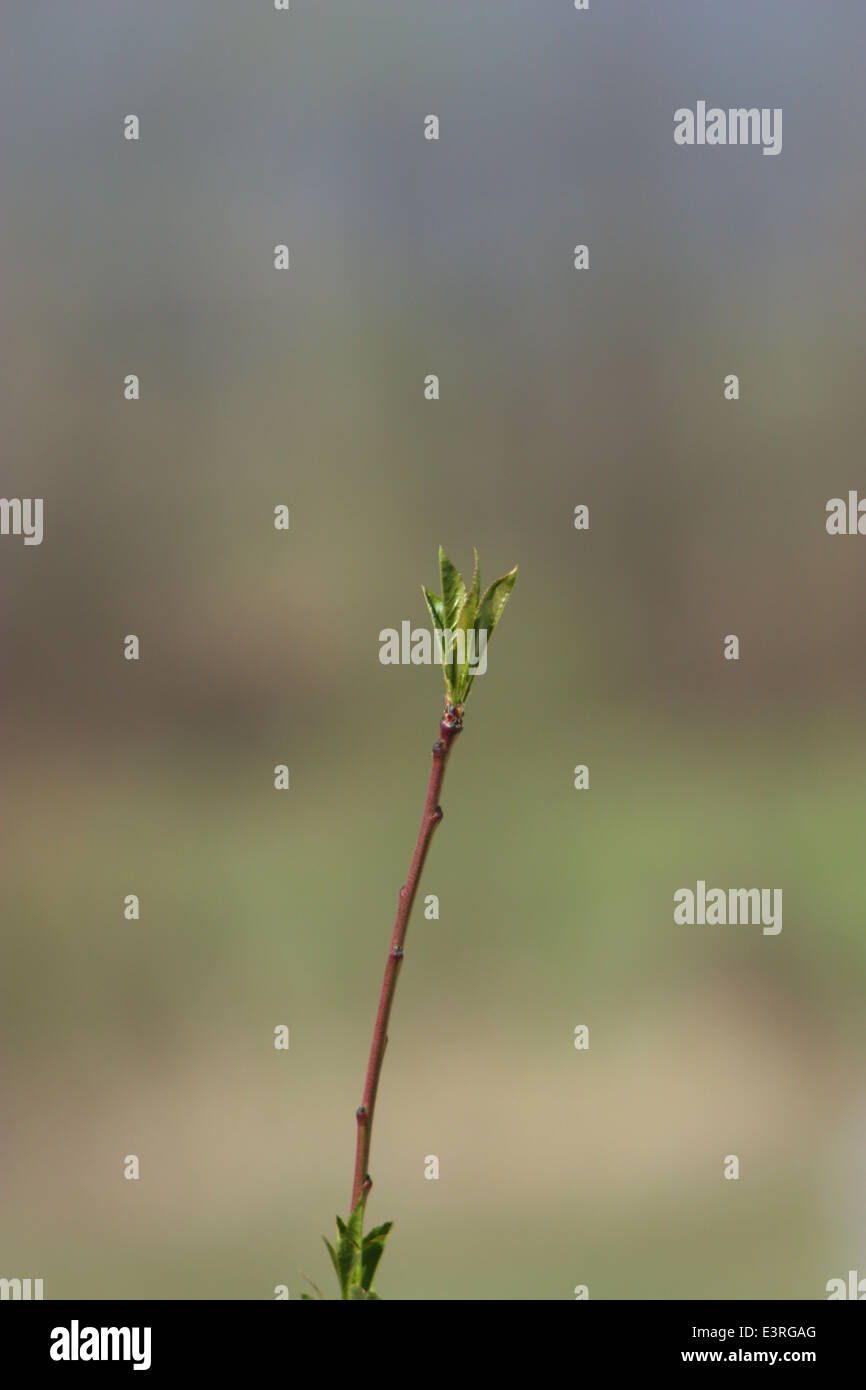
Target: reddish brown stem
{"points": [[449, 727]]}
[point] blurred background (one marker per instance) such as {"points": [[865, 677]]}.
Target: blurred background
{"points": [[602, 387]]}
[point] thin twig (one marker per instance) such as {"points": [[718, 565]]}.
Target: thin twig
{"points": [[449, 727]]}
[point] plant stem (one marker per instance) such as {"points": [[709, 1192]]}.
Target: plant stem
{"points": [[449, 727]]}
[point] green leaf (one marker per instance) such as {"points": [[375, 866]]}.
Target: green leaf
{"points": [[355, 1229], [347, 1258], [356, 1292], [379, 1232], [371, 1253], [453, 599], [319, 1293], [437, 613], [490, 610], [467, 613], [494, 600], [453, 590], [334, 1261], [471, 605], [370, 1261], [465, 624], [437, 610]]}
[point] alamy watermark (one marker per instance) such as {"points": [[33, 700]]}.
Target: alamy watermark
{"points": [[23, 1289], [855, 1288], [718, 907], [416, 647], [76, 1343], [738, 125], [22, 516]]}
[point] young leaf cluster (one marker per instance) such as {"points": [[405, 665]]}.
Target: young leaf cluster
{"points": [[468, 611], [356, 1257]]}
